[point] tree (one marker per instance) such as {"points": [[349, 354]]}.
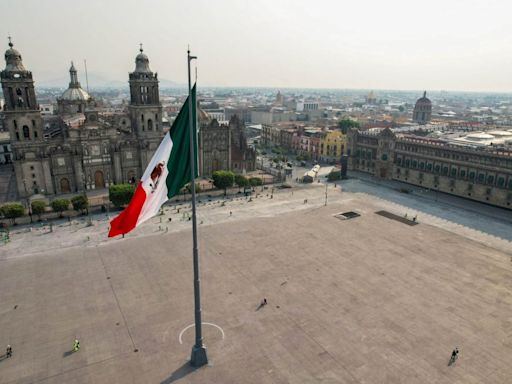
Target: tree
{"points": [[255, 181], [334, 175], [80, 203], [241, 181], [121, 194], [12, 211], [346, 123], [38, 208], [60, 205], [223, 179], [188, 188]]}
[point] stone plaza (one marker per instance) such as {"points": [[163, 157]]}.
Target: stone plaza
{"points": [[360, 300]]}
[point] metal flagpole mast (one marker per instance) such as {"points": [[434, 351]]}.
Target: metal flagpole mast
{"points": [[198, 357]]}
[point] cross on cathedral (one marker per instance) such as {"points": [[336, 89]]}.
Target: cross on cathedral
{"points": [[10, 41], [140, 47]]}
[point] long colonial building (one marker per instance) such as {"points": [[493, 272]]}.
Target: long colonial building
{"points": [[82, 148], [479, 174]]}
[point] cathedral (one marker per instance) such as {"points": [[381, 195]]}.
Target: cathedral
{"points": [[82, 148]]}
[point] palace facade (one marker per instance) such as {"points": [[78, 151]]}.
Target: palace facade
{"points": [[484, 175]]}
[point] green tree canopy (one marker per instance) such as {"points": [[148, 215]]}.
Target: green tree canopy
{"points": [[80, 203], [241, 180], [188, 188], [223, 179], [60, 205], [346, 123], [38, 208], [334, 175], [12, 211], [121, 194], [255, 181]]}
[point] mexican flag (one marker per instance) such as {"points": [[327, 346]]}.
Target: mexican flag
{"points": [[167, 172]]}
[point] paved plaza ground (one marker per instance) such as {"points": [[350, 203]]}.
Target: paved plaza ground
{"points": [[365, 300]]}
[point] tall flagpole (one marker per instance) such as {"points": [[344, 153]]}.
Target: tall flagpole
{"points": [[198, 357]]}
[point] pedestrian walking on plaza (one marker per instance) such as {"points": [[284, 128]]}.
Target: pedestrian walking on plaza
{"points": [[230, 213], [8, 351], [455, 355], [264, 302], [76, 345]]}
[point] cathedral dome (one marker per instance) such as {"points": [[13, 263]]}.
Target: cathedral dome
{"points": [[424, 101], [422, 110], [75, 91], [13, 59], [73, 94], [142, 62]]}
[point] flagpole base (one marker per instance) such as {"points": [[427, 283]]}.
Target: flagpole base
{"points": [[198, 357]]}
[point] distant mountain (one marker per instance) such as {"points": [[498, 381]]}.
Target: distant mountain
{"points": [[164, 83], [96, 81]]}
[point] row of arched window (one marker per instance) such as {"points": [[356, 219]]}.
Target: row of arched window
{"points": [[457, 172]]}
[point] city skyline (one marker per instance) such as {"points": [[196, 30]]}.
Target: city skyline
{"points": [[454, 46]]}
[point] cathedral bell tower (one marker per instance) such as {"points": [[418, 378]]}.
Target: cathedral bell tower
{"points": [[145, 108], [21, 111]]}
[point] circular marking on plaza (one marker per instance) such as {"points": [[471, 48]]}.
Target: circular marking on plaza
{"points": [[193, 324]]}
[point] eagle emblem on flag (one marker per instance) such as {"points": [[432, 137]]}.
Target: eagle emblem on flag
{"points": [[155, 175]]}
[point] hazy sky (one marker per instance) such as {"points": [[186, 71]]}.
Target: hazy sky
{"points": [[393, 44]]}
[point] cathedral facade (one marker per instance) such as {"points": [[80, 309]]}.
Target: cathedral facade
{"points": [[83, 148], [224, 146]]}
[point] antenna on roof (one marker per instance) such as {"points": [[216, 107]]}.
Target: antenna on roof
{"points": [[86, 77]]}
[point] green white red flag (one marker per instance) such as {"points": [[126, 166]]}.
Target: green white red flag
{"points": [[167, 173]]}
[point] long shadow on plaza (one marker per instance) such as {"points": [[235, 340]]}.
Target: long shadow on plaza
{"points": [[180, 373], [67, 353]]}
